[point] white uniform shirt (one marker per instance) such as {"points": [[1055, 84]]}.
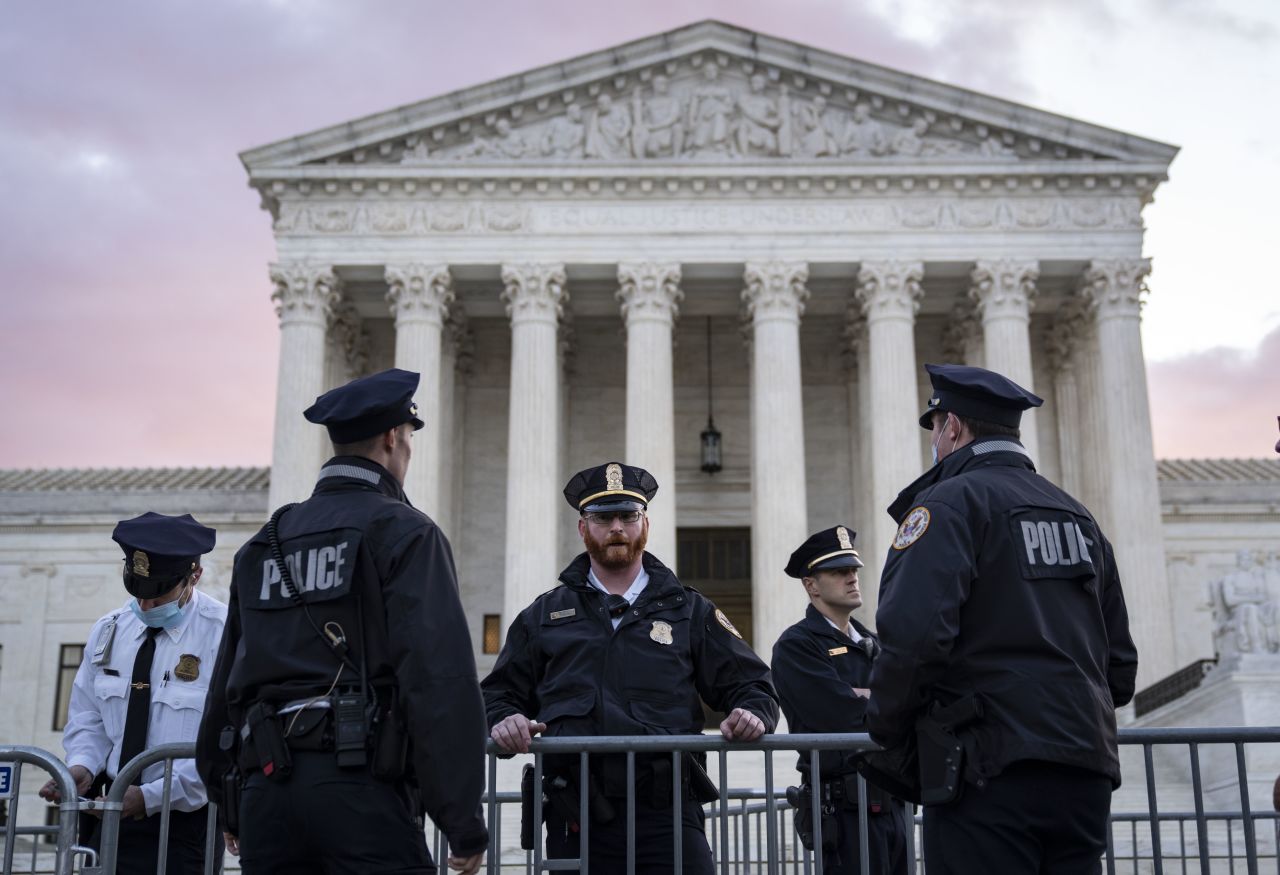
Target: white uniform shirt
{"points": [[632, 593], [847, 630], [100, 697]]}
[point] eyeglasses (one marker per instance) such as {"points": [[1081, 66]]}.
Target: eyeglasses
{"points": [[602, 518]]}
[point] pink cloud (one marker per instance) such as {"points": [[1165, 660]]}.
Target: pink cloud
{"points": [[1220, 403]]}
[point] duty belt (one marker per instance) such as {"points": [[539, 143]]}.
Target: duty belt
{"points": [[844, 789]]}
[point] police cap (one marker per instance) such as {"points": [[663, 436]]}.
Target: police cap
{"points": [[160, 551], [976, 393], [829, 548], [368, 406], [611, 486]]}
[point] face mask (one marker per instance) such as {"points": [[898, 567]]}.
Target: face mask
{"points": [[933, 445], [164, 616]]}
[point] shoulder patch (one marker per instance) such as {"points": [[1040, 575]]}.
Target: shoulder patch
{"points": [[915, 524], [724, 621]]}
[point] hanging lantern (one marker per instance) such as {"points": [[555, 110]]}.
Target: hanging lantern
{"points": [[711, 459]]}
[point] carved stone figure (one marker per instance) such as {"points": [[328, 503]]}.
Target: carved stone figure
{"points": [[608, 132], [909, 142], [1244, 608], [419, 153], [864, 135], [565, 135], [710, 115], [764, 126], [814, 128], [992, 147], [657, 124], [508, 143]]}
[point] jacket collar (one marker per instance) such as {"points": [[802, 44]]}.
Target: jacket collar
{"points": [[985, 452], [342, 472], [815, 622], [661, 578]]}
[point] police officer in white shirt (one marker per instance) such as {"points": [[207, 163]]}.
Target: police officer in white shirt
{"points": [[143, 683]]}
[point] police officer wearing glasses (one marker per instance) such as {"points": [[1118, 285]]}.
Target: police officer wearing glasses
{"points": [[142, 683], [344, 704], [620, 647], [1006, 645], [822, 667]]}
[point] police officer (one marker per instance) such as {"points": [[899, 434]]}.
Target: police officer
{"points": [[345, 690], [821, 667], [142, 683], [621, 647], [1006, 645]]}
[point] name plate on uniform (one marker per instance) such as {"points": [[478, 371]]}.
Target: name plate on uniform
{"points": [[6, 782], [837, 651]]}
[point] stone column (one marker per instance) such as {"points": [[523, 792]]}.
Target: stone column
{"points": [[305, 295], [455, 335], [1064, 347], [650, 296], [1115, 288], [962, 341], [864, 509], [419, 295], [1004, 293], [775, 296], [889, 293], [535, 295]]}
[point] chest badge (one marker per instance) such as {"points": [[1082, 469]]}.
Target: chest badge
{"points": [[560, 615], [837, 651], [188, 668], [661, 632]]}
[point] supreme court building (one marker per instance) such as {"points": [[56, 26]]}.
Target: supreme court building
{"points": [[588, 260]]}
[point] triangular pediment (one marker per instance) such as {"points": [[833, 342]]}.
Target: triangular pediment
{"points": [[709, 93]]}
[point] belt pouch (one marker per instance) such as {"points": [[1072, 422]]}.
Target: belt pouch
{"points": [[268, 741]]}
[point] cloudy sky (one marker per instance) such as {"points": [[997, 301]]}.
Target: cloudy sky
{"points": [[137, 327]]}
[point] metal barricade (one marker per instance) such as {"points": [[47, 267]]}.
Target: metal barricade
{"points": [[68, 809], [111, 811]]}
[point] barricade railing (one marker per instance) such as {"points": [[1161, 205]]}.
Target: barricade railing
{"points": [[1202, 819], [64, 833]]}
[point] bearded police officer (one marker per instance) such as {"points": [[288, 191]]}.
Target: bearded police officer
{"points": [[821, 667], [142, 683], [345, 699], [620, 647], [1006, 645]]}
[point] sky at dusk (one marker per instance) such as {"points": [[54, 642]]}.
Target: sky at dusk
{"points": [[137, 325]]}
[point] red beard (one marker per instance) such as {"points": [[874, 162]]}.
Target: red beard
{"points": [[616, 551]]}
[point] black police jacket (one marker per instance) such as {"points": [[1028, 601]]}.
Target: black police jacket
{"points": [[366, 560], [815, 669], [1000, 586], [563, 664]]}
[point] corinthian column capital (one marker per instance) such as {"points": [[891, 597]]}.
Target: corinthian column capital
{"points": [[1114, 287], [305, 292], [890, 289], [1004, 288], [419, 292], [775, 290], [963, 331], [649, 291], [534, 292]]}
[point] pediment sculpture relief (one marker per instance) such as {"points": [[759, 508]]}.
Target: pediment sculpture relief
{"points": [[713, 115]]}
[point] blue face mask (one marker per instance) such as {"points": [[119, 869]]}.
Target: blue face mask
{"points": [[164, 616]]}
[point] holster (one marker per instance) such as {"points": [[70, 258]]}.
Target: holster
{"points": [[694, 778], [262, 727], [895, 769], [231, 789], [801, 801], [941, 753], [390, 743]]}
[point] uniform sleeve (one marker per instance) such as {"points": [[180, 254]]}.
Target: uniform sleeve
{"points": [[1122, 654], [212, 763], [511, 687], [812, 689], [186, 794], [435, 668], [729, 674], [922, 590], [84, 737]]}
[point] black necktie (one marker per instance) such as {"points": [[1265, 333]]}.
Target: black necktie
{"points": [[869, 647], [135, 720]]}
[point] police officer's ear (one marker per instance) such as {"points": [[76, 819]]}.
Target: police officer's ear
{"points": [[810, 585]]}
